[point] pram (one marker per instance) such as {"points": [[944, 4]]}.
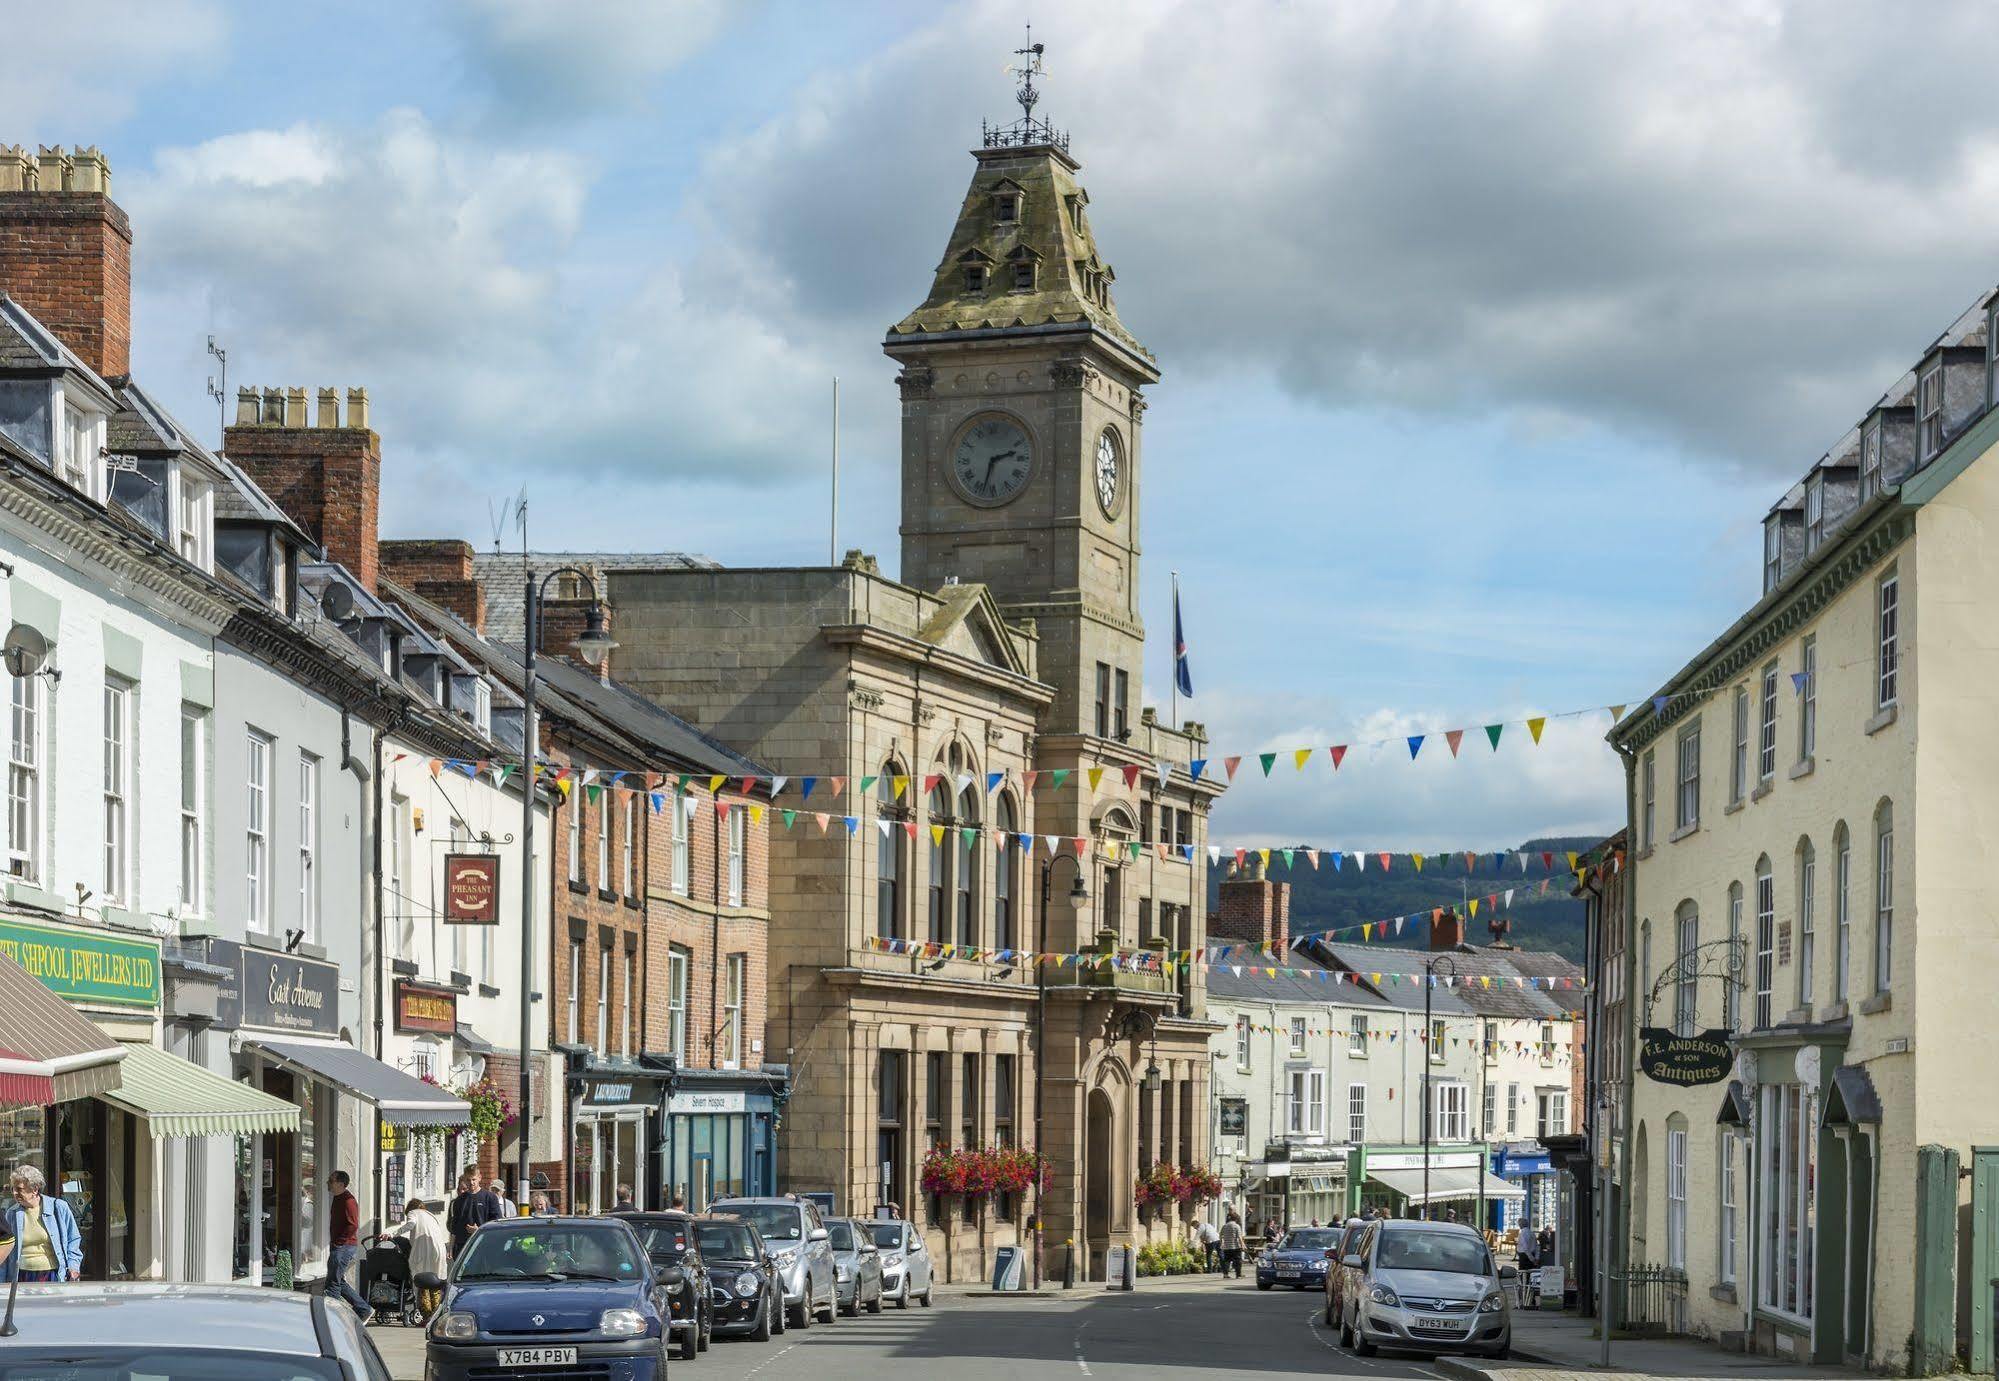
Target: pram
{"points": [[389, 1286]]}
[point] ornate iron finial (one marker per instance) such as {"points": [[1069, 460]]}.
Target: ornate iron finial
{"points": [[1028, 68], [1026, 131]]}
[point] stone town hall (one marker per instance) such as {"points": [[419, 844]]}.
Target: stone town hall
{"points": [[1011, 645]]}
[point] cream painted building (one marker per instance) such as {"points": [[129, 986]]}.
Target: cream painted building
{"points": [[1809, 813]]}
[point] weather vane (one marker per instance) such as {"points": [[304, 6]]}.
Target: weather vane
{"points": [[1027, 70], [1026, 131]]}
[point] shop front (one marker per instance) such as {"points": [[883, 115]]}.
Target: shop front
{"points": [[612, 1122], [1527, 1166], [429, 1043], [90, 1150], [719, 1137], [1407, 1182]]}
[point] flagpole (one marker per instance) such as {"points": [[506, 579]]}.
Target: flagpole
{"points": [[1174, 720]]}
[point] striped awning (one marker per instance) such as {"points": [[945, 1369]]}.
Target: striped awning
{"points": [[402, 1100], [25, 1083], [82, 1060], [177, 1098]]}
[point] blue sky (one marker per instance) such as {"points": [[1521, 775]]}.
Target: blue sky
{"points": [[1489, 332]]}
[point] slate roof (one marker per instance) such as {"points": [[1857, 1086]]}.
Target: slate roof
{"points": [[1508, 995], [499, 575], [1302, 986]]}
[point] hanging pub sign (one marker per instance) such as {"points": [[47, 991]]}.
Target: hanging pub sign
{"points": [[1669, 1058], [420, 1007], [471, 889], [1235, 1117]]}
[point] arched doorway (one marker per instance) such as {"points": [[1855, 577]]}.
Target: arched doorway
{"points": [[1099, 1178]]}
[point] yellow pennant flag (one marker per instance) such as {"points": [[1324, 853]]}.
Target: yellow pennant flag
{"points": [[1419, 861], [1264, 854], [1474, 908], [756, 815], [1572, 860], [715, 784], [1095, 774], [1299, 758], [899, 783], [937, 835], [1535, 726]]}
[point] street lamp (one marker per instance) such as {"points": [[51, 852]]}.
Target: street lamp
{"points": [[1078, 895], [594, 645], [1429, 1058]]}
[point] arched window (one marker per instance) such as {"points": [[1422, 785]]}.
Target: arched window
{"points": [[1005, 865], [938, 809], [1732, 1002], [1766, 940], [965, 869], [1842, 910], [1808, 864], [888, 857], [1884, 896]]}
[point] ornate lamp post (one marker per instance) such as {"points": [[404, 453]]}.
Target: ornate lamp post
{"points": [[1430, 967]]}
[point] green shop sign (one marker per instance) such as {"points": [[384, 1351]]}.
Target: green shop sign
{"points": [[86, 965]]}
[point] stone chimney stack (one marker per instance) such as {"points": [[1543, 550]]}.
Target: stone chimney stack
{"points": [[1447, 930], [66, 251], [1252, 910], [439, 571], [326, 476]]}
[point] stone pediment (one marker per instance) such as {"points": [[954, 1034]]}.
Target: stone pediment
{"points": [[968, 623]]}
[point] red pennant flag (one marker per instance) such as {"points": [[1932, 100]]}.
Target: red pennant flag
{"points": [[1384, 861], [1547, 860], [1454, 737], [909, 828], [1339, 752], [1028, 779], [930, 782], [749, 785], [1131, 777], [1230, 765], [1240, 855], [1080, 841]]}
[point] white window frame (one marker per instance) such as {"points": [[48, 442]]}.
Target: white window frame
{"points": [[575, 1014], [630, 843], [1766, 741], [1551, 1113], [82, 450], [1488, 1109], [734, 985], [739, 826], [1884, 899], [190, 518], [1808, 698], [1738, 779], [575, 807], [1649, 780], [1842, 914], [26, 756], [193, 893], [1305, 1113], [1440, 1040], [1299, 1038], [397, 868], [1676, 1198], [682, 827], [1786, 1169], [1450, 1110], [308, 845], [1766, 948], [678, 962], [1728, 1173], [1687, 792], [1808, 864], [604, 837], [119, 777], [1356, 1113], [1929, 412], [1814, 513], [1357, 1036], [1773, 553], [625, 1003], [1242, 1042], [1888, 642], [1513, 1109], [1732, 986], [1686, 939], [605, 955], [259, 751], [1870, 461]]}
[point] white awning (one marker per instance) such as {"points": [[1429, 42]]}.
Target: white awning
{"points": [[1446, 1185]]}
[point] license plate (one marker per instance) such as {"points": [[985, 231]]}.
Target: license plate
{"points": [[1440, 1325], [537, 1356], [1287, 1271]]}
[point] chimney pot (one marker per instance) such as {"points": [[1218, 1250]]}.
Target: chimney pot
{"points": [[274, 407], [246, 407], [55, 168], [294, 407], [329, 408], [17, 171], [357, 408], [91, 172]]}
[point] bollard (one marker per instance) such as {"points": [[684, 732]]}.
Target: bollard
{"points": [[1069, 1265]]}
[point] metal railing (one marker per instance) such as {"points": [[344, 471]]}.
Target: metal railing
{"points": [[1654, 1299]]}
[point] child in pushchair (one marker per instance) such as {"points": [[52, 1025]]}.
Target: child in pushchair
{"points": [[387, 1283]]}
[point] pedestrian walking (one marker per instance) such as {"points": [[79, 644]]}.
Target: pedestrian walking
{"points": [[428, 1247], [1231, 1238], [344, 1243], [46, 1245], [473, 1206], [507, 1207], [624, 1203], [1211, 1245]]}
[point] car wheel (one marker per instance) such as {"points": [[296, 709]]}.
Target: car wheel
{"points": [[778, 1313], [1346, 1334], [853, 1307], [761, 1333], [1263, 1285], [1361, 1346], [802, 1316], [690, 1344], [1330, 1320], [707, 1332], [875, 1304], [928, 1291], [902, 1299]]}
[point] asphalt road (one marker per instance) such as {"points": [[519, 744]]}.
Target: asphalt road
{"points": [[1207, 1329]]}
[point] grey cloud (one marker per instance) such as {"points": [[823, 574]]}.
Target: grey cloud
{"points": [[539, 58]]}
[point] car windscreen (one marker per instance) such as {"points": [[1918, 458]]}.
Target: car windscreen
{"points": [[725, 1242], [546, 1251], [1310, 1239], [779, 1223], [115, 1363], [888, 1236], [1432, 1251], [842, 1234], [665, 1243]]}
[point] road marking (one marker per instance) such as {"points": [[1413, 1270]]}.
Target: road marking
{"points": [[768, 1360], [1312, 1322]]}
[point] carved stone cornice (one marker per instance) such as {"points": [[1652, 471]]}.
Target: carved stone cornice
{"points": [[917, 381], [862, 698], [1138, 406], [1072, 374]]}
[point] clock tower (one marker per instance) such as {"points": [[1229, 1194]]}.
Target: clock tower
{"points": [[1021, 425]]}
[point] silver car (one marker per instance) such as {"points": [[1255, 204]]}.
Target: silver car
{"points": [[796, 1235], [906, 1272], [186, 1333], [1427, 1287], [857, 1266]]}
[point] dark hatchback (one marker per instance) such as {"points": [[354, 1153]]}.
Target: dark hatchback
{"points": [[1298, 1260], [668, 1239], [749, 1293], [549, 1297]]}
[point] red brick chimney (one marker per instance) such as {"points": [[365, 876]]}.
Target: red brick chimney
{"points": [[441, 572], [1253, 909], [66, 251], [1447, 930], [325, 475]]}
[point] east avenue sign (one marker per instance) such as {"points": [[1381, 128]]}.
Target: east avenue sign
{"points": [[1669, 1058]]}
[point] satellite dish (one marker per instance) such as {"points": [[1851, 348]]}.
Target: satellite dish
{"points": [[338, 601], [25, 650]]}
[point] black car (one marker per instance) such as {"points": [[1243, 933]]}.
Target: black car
{"points": [[748, 1291], [669, 1242]]}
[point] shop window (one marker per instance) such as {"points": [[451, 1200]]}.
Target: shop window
{"points": [[1786, 1173]]}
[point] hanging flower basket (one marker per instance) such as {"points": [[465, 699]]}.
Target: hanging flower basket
{"points": [[1197, 1185], [491, 1108], [1155, 1186], [945, 1170]]}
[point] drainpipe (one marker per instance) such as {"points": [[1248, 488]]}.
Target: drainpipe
{"points": [[1618, 1241], [368, 777]]}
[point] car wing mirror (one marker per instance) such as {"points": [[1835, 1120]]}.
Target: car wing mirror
{"points": [[1350, 1261], [818, 1235], [1508, 1273]]}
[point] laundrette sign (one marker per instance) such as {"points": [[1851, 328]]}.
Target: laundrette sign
{"points": [[85, 965]]}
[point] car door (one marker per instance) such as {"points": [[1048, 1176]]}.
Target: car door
{"points": [[1354, 1277], [918, 1258]]}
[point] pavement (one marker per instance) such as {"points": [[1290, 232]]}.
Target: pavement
{"points": [[1199, 1324]]}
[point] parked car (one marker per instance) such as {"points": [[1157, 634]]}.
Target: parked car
{"points": [[1336, 1273], [545, 1294], [748, 1292], [186, 1333], [1297, 1259], [668, 1239], [906, 1271], [857, 1266], [796, 1235], [1427, 1287]]}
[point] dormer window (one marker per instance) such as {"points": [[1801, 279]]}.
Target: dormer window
{"points": [[1006, 202], [975, 278], [1870, 461], [82, 449], [1023, 275], [1929, 412], [191, 519], [1773, 553], [1814, 513]]}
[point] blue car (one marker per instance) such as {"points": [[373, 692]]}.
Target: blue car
{"points": [[1298, 1259], [541, 1295]]}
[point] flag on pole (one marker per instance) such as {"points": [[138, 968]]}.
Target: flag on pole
{"points": [[1183, 679]]}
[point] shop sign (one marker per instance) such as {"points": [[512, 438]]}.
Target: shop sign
{"points": [[719, 1101], [1235, 1117], [86, 966], [1686, 1061], [610, 1093], [391, 1140], [284, 992], [420, 1007], [471, 889]]}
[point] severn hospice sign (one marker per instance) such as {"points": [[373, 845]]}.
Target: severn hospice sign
{"points": [[86, 966], [1666, 1058]]}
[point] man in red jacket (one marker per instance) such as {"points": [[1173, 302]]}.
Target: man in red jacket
{"points": [[345, 1242]]}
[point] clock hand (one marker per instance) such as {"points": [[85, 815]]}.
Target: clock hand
{"points": [[1003, 455]]}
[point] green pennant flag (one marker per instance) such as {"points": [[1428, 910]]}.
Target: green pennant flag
{"points": [[789, 816], [1134, 846], [1266, 759], [591, 793], [868, 784], [506, 770], [1059, 776], [1492, 732], [1287, 856], [685, 778], [969, 835]]}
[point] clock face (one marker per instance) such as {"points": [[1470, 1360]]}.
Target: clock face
{"points": [[992, 460], [1110, 470]]}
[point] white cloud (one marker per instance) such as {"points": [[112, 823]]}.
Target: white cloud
{"points": [[75, 69], [552, 59]]}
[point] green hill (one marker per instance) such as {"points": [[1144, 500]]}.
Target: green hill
{"points": [[1323, 897]]}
